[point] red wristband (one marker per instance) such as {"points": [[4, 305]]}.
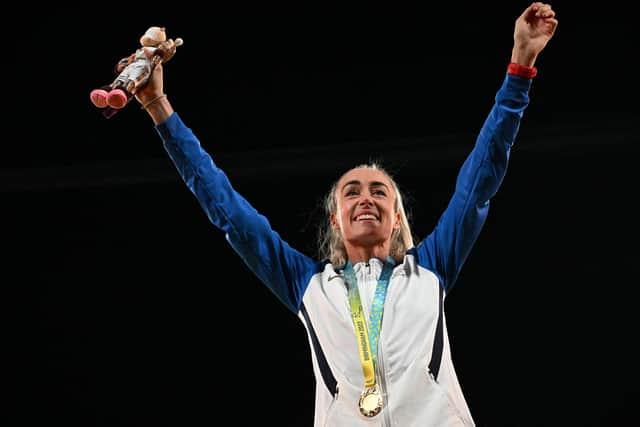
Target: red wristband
{"points": [[521, 70]]}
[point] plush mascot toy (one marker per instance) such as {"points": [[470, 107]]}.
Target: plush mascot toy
{"points": [[133, 71]]}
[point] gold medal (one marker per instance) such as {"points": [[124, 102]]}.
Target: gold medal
{"points": [[370, 402]]}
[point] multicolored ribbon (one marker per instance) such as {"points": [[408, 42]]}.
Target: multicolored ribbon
{"points": [[368, 337]]}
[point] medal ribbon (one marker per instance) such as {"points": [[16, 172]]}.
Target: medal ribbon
{"points": [[368, 337]]}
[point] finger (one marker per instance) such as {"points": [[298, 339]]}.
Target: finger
{"points": [[545, 12], [552, 22], [530, 12]]}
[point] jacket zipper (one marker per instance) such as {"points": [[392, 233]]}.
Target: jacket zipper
{"points": [[383, 388]]}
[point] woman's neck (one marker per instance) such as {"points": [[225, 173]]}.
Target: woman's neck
{"points": [[357, 254]]}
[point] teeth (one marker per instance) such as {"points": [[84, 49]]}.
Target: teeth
{"points": [[366, 216]]}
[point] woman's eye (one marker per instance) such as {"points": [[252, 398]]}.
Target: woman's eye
{"points": [[351, 193], [379, 192]]}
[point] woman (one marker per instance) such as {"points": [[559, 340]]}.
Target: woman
{"points": [[372, 372]]}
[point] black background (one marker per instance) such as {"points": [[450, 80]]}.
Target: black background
{"points": [[125, 306]]}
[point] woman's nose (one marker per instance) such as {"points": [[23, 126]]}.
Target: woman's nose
{"points": [[365, 200]]}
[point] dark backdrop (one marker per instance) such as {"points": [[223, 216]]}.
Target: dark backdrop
{"points": [[125, 306]]}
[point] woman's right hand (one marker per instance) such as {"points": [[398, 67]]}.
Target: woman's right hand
{"points": [[153, 99], [153, 88]]}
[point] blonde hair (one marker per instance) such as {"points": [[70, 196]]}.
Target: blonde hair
{"points": [[330, 243]]}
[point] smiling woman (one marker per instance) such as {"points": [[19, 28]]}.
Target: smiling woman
{"points": [[368, 371], [367, 218]]}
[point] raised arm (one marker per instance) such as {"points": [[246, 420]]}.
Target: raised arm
{"points": [[445, 250], [281, 268]]}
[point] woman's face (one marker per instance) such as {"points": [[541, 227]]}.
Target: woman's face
{"points": [[365, 208]]}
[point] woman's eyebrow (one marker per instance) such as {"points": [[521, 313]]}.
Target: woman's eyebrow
{"points": [[371, 184], [352, 182], [378, 184]]}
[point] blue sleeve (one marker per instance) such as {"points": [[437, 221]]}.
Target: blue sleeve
{"points": [[283, 269], [445, 250]]}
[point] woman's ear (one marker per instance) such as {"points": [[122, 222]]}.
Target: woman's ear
{"points": [[396, 225], [334, 221]]}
